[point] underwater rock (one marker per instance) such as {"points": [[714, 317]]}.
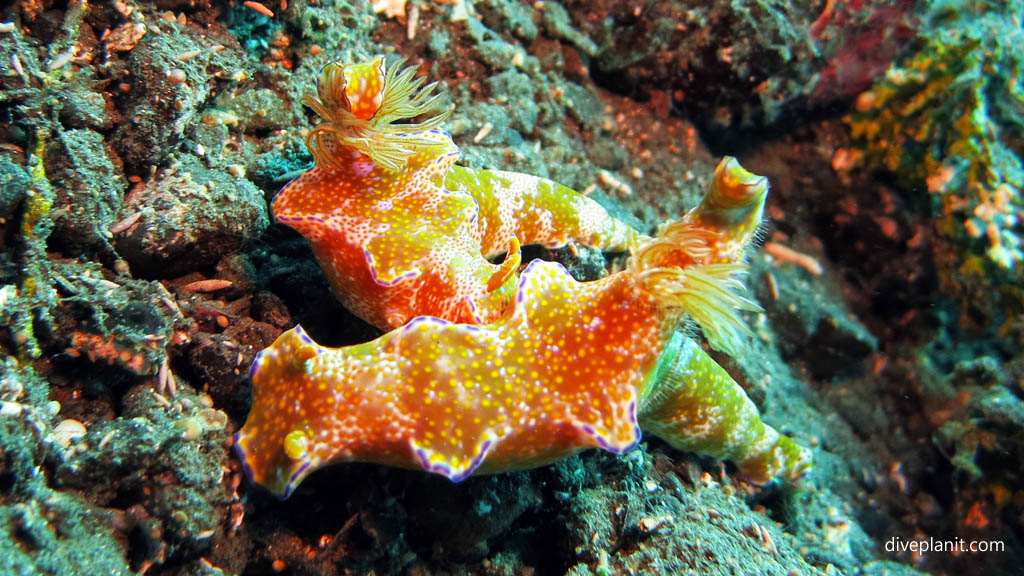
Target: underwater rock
{"points": [[557, 24], [189, 218], [640, 514], [173, 75], [221, 361], [43, 530], [84, 109], [89, 187], [584, 107], [161, 463], [859, 40], [463, 520], [946, 124], [272, 170], [257, 110], [511, 15], [728, 64], [813, 326], [515, 87], [14, 182], [17, 58], [269, 308]]}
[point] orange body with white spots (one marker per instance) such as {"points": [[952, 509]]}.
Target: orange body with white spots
{"points": [[571, 366], [457, 399], [733, 208], [415, 242], [398, 229]]}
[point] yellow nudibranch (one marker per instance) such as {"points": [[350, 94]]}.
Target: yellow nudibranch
{"points": [[569, 366], [398, 228]]}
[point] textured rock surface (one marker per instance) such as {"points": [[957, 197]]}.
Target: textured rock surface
{"points": [[188, 218]]}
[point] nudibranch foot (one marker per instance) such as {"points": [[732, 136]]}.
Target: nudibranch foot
{"points": [[694, 405]]}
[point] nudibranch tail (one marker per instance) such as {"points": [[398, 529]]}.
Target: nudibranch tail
{"points": [[362, 105], [693, 404], [733, 208], [733, 187], [696, 264]]}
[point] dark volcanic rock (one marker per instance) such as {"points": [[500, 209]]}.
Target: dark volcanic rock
{"points": [[190, 217], [729, 63], [89, 186]]}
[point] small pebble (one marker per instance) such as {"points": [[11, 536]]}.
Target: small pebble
{"points": [[213, 420], [176, 76], [68, 431], [191, 428]]}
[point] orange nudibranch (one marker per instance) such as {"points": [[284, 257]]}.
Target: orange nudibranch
{"points": [[573, 365], [398, 229]]}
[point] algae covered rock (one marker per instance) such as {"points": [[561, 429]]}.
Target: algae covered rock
{"points": [[14, 182], [89, 187], [948, 119], [812, 325], [727, 63], [44, 530], [172, 74], [188, 217], [158, 470]]}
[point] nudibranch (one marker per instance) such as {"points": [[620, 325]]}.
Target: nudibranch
{"points": [[572, 366], [399, 229]]}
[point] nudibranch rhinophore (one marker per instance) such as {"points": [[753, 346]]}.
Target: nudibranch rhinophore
{"points": [[572, 366], [398, 228]]}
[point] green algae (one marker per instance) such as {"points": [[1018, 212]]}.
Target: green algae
{"points": [[36, 226]]}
